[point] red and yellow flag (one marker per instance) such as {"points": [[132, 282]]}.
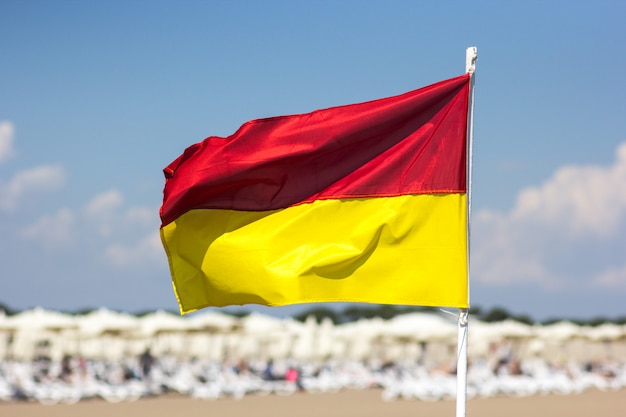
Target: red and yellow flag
{"points": [[359, 203]]}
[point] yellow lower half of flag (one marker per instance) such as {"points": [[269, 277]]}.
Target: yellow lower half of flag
{"points": [[409, 250]]}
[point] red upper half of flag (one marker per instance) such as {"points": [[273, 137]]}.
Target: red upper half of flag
{"points": [[413, 143]]}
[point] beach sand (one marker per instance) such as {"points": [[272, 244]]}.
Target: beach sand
{"points": [[365, 403]]}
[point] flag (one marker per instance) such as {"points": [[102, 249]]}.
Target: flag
{"points": [[359, 203]]}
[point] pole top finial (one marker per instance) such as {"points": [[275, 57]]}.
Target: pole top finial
{"points": [[471, 54]]}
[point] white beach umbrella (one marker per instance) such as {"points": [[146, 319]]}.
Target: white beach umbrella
{"points": [[164, 332], [37, 325], [6, 330], [208, 334], [605, 340], [421, 327], [256, 323], [304, 346], [606, 332], [162, 322], [357, 337], [326, 338], [517, 334], [212, 321], [362, 328], [562, 340], [258, 334], [106, 333], [483, 337], [41, 319], [105, 321], [480, 337], [511, 329], [560, 331]]}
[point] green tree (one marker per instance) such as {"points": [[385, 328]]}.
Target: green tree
{"points": [[5, 308], [495, 314], [320, 313]]}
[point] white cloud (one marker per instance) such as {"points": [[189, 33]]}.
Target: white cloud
{"points": [[37, 180], [104, 204], [7, 133], [549, 225], [119, 224], [55, 230], [104, 227], [614, 278], [142, 216], [106, 211], [147, 249], [503, 253], [579, 201], [102, 210]]}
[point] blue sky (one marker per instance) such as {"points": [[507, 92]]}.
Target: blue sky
{"points": [[97, 97]]}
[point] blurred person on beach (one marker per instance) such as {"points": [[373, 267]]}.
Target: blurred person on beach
{"points": [[67, 370], [146, 363], [294, 376], [268, 372]]}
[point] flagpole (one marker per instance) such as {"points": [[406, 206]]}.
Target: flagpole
{"points": [[461, 364], [463, 322]]}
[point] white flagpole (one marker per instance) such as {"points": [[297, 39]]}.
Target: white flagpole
{"points": [[461, 359], [461, 364]]}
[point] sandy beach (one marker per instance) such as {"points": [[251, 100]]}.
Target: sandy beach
{"points": [[349, 403]]}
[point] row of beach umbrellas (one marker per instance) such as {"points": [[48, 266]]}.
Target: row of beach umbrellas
{"points": [[216, 334]]}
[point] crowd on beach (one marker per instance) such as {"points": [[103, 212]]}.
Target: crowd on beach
{"points": [[49, 357], [73, 379]]}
